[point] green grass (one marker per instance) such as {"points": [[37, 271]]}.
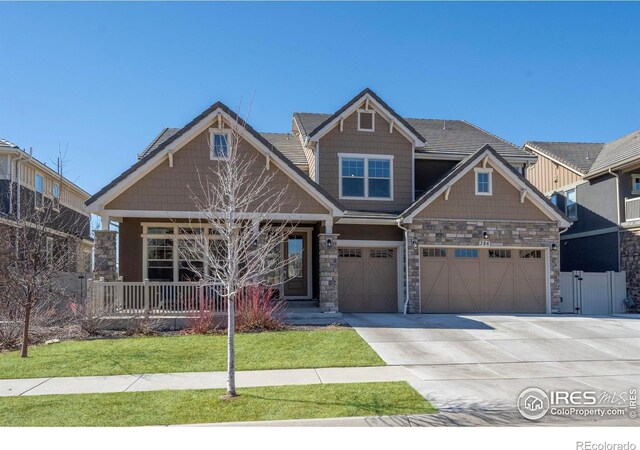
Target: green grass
{"points": [[325, 347], [205, 406]]}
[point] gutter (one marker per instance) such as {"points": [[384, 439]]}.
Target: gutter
{"points": [[406, 266]]}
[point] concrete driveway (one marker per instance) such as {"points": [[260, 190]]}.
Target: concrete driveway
{"points": [[479, 364]]}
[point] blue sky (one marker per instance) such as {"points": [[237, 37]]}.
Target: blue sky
{"points": [[104, 78]]}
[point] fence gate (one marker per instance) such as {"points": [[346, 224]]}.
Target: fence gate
{"points": [[592, 292]]}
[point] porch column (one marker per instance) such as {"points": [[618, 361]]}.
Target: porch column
{"points": [[328, 272], [105, 255]]}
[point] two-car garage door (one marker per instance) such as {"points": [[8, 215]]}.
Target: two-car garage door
{"points": [[477, 280]]}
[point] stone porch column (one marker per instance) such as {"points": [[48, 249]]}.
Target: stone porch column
{"points": [[328, 272], [105, 255]]}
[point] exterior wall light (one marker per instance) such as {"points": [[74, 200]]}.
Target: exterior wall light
{"points": [[554, 247], [415, 244], [329, 242], [485, 235]]}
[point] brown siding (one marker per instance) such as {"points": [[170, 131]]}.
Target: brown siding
{"points": [[548, 176], [463, 203], [380, 142], [167, 189], [369, 232], [130, 248]]}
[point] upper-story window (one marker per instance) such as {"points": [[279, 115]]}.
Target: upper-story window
{"points": [[554, 199], [219, 145], [39, 197], [571, 206], [484, 182], [366, 120], [635, 184], [366, 177], [55, 191]]}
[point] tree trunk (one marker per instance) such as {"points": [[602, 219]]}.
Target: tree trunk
{"points": [[231, 353], [25, 332]]}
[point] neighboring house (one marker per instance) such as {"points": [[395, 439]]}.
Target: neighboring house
{"points": [[394, 213], [27, 185], [598, 186]]}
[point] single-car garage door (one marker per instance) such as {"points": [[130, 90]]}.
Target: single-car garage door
{"points": [[368, 279], [477, 280]]}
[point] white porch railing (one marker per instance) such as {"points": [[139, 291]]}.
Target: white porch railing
{"points": [[631, 209], [155, 298]]}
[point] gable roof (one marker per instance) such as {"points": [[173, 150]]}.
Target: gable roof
{"points": [[7, 143], [579, 156], [290, 147], [159, 139], [461, 138], [465, 166], [314, 129], [184, 130], [617, 152]]}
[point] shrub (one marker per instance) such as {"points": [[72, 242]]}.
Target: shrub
{"points": [[258, 309], [10, 326], [91, 319], [200, 318]]}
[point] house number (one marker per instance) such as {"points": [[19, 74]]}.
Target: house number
{"points": [[485, 243]]}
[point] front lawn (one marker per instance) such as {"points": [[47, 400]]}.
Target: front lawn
{"points": [[205, 406], [324, 347]]}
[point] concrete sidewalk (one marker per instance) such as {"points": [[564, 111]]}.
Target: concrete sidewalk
{"points": [[200, 380]]}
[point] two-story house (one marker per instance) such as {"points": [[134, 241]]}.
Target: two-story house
{"points": [[597, 185], [392, 214], [27, 185]]}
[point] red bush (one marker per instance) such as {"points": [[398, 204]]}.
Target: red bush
{"points": [[200, 317], [258, 309]]}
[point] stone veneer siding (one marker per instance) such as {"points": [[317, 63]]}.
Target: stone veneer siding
{"points": [[328, 272], [630, 260], [105, 255], [469, 233]]}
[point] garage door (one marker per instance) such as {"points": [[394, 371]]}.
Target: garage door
{"points": [[476, 280], [368, 279]]}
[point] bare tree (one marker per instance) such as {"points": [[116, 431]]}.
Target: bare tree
{"points": [[35, 247], [238, 198]]}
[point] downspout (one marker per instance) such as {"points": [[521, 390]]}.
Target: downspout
{"points": [[406, 265], [617, 176]]}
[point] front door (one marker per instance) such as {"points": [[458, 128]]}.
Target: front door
{"points": [[295, 250]]}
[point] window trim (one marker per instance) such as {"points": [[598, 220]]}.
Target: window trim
{"points": [[35, 190], [212, 133], [489, 171], [566, 203], [373, 120], [366, 158], [55, 198], [634, 177]]}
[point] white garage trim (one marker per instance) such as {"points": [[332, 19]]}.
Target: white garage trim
{"points": [[547, 267], [398, 245]]}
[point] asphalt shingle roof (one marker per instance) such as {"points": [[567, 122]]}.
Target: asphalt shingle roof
{"points": [[7, 143], [617, 151], [290, 147], [455, 137], [580, 156], [159, 139]]}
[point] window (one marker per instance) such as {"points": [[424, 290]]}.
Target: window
{"points": [[350, 253], [39, 198], [571, 205], [531, 254], [483, 181], [554, 199], [191, 260], [219, 145], [160, 259], [465, 253], [368, 177], [434, 253], [366, 120], [55, 190], [294, 256], [635, 184], [381, 253], [500, 254]]}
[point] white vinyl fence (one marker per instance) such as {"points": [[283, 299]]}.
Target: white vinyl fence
{"points": [[593, 292]]}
